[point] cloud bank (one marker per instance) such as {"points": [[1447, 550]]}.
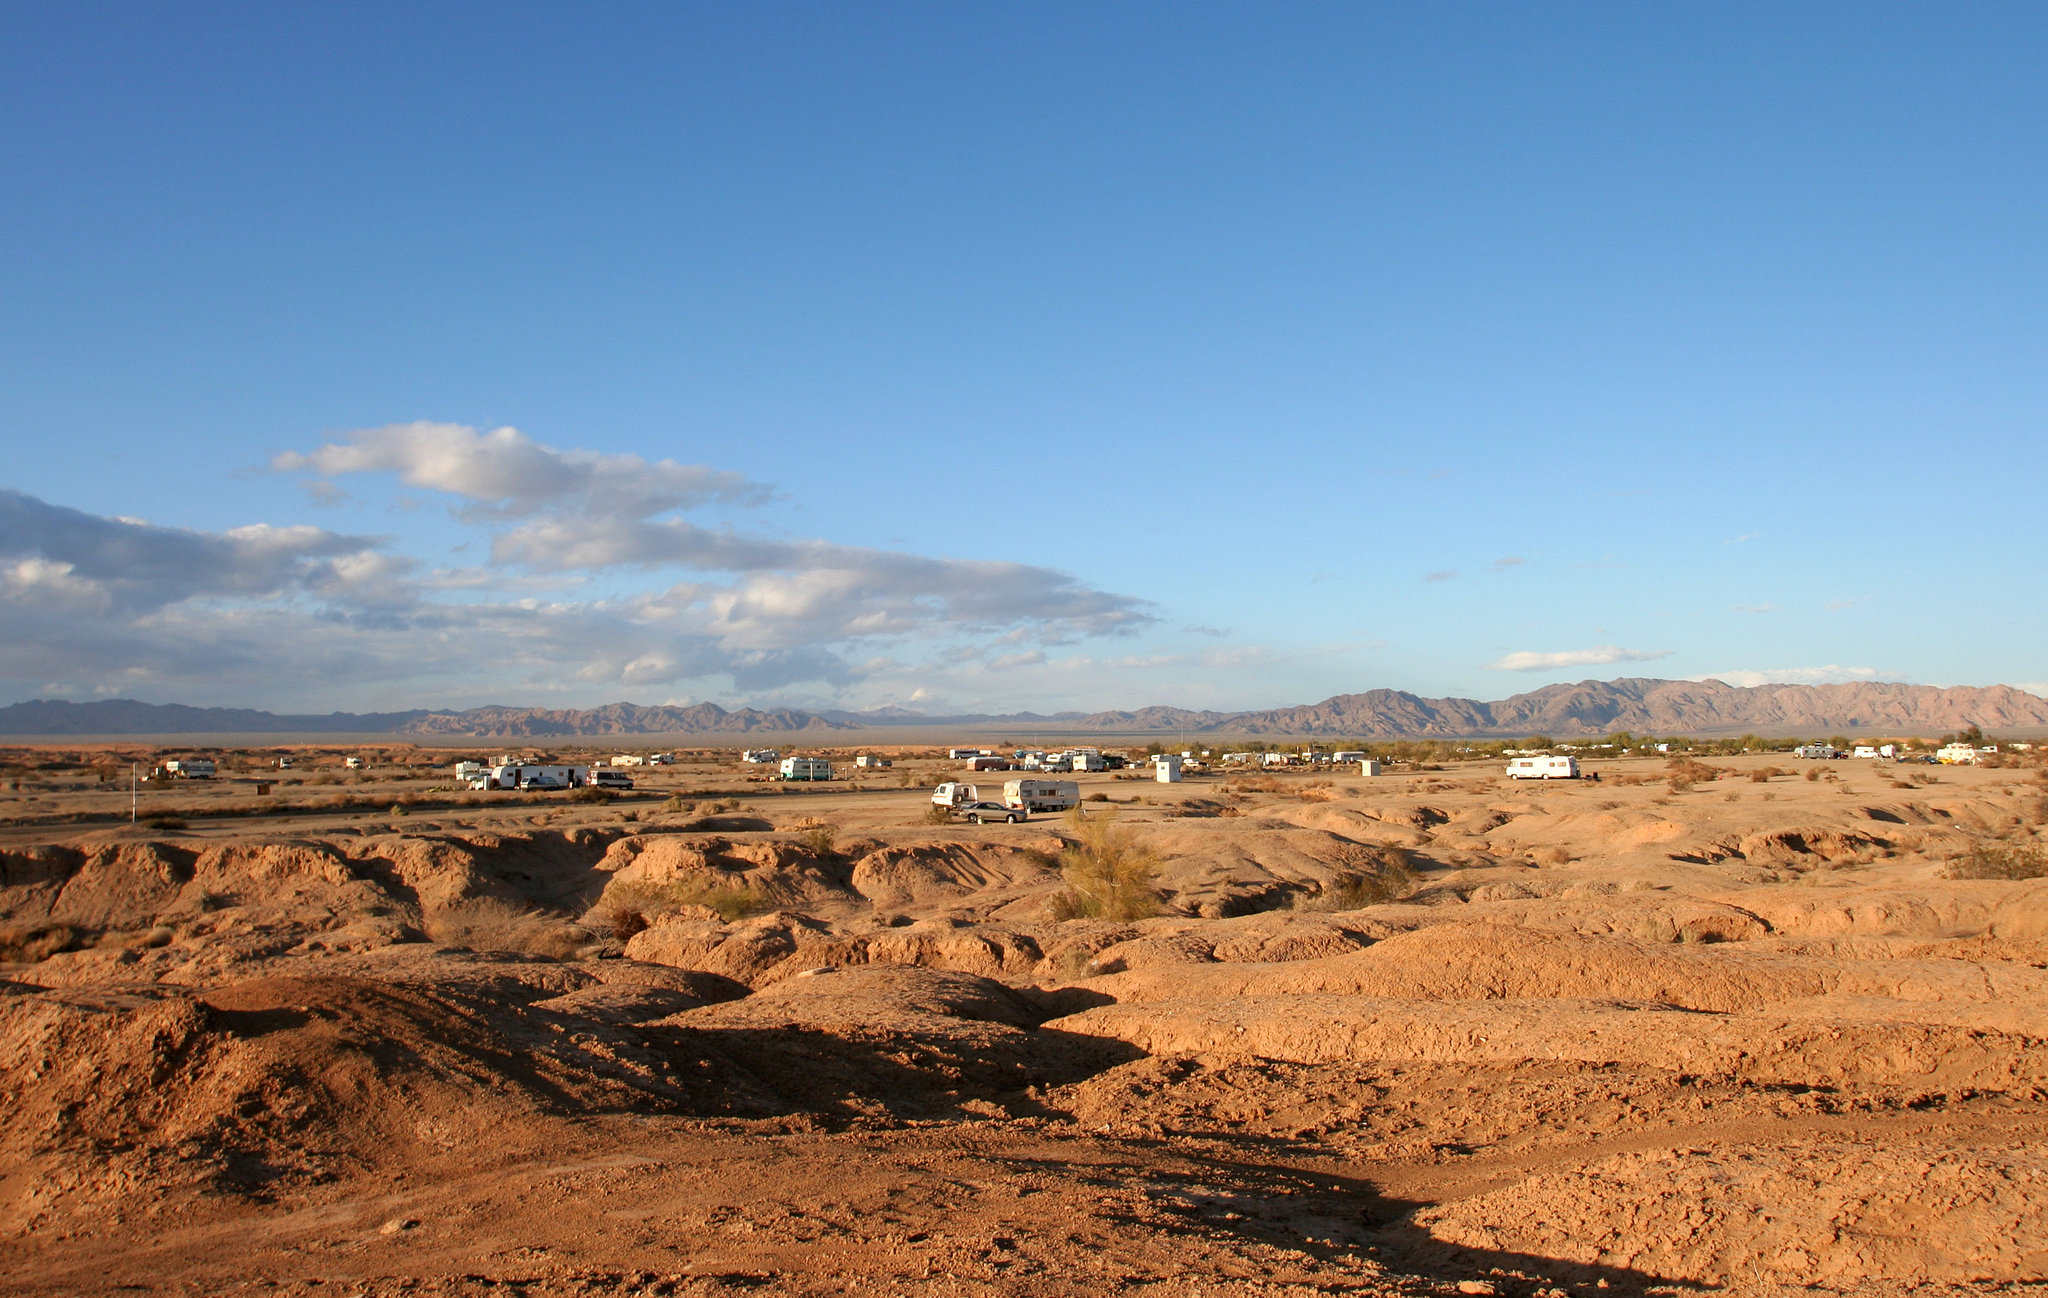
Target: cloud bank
{"points": [[1528, 661], [112, 605]]}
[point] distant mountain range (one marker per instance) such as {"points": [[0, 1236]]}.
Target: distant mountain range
{"points": [[1587, 708]]}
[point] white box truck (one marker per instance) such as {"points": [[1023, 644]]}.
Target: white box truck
{"points": [[1042, 795], [1544, 768]]}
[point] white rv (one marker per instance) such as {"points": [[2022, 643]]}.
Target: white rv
{"points": [[467, 771], [806, 768], [532, 776], [1086, 760], [760, 756], [961, 754], [1956, 755], [1347, 756], [952, 794], [1865, 750], [190, 768], [629, 759], [869, 762], [1041, 795], [1544, 768]]}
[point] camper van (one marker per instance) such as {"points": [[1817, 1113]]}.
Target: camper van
{"points": [[806, 768], [1042, 795], [1544, 768]]}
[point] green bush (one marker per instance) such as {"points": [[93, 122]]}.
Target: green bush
{"points": [[1109, 874]]}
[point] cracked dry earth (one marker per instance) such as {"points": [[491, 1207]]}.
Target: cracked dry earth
{"points": [[1618, 1038]]}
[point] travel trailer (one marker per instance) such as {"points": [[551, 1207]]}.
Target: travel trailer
{"points": [[951, 794], [1042, 795], [1544, 768], [806, 768]]}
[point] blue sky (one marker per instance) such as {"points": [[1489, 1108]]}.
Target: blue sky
{"points": [[1028, 357]]}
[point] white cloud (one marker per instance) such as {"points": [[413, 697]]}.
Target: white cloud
{"points": [[1832, 674], [303, 614], [1529, 661], [1441, 574], [1765, 607], [506, 473]]}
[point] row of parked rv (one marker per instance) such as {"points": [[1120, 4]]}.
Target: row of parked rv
{"points": [[540, 776]]}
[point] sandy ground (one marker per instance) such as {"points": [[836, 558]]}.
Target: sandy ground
{"points": [[1436, 1032]]}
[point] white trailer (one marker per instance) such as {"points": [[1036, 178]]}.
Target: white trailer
{"points": [[1347, 756], [869, 762], [988, 762], [629, 759], [528, 775], [1041, 795], [1544, 768], [952, 794], [1956, 755], [190, 768], [760, 756], [806, 768], [961, 754], [467, 771], [1865, 750], [1085, 761]]}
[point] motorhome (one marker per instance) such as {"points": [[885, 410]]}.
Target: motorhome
{"points": [[190, 768], [1085, 761], [961, 754], [806, 768], [1042, 795], [1818, 752], [1544, 768], [760, 756], [467, 771], [1345, 757], [524, 775], [1055, 762], [952, 794]]}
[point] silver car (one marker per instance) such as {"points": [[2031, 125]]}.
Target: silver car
{"points": [[981, 813]]}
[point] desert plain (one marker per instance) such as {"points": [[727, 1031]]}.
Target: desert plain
{"points": [[1729, 1025]]}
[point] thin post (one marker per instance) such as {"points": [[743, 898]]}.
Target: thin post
{"points": [[132, 792]]}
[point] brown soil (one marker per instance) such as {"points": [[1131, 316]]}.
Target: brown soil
{"points": [[1746, 1036]]}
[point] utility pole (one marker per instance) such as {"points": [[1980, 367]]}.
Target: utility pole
{"points": [[133, 795]]}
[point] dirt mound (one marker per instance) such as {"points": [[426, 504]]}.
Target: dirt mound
{"points": [[1800, 1214], [940, 874], [1813, 1048]]}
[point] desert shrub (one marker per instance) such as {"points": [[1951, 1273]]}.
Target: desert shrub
{"points": [[2000, 861], [818, 839], [488, 924], [1693, 772], [934, 814], [1096, 797], [1357, 889], [165, 822], [1813, 774], [676, 803], [628, 908], [30, 943], [590, 793], [1109, 874]]}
